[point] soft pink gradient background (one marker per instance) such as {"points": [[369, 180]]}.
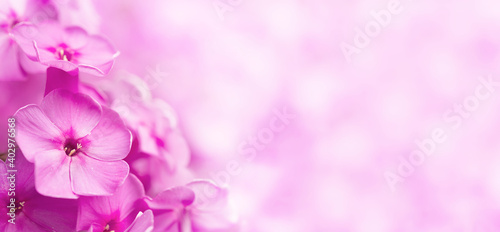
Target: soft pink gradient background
{"points": [[354, 120]]}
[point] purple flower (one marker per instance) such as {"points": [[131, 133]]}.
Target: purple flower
{"points": [[33, 212], [67, 48], [198, 206], [113, 213], [77, 145]]}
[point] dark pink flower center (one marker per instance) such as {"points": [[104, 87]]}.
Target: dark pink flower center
{"points": [[109, 227], [64, 53], [19, 204], [72, 147], [12, 21]]}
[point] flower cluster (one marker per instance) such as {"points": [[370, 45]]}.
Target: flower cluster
{"points": [[100, 155]]}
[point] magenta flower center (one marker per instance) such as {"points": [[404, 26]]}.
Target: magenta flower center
{"points": [[12, 20], [108, 228], [20, 206], [72, 147], [64, 53]]}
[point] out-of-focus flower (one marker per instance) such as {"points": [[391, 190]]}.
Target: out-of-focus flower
{"points": [[12, 100], [144, 222], [32, 211], [116, 212], [160, 155], [80, 13], [67, 48], [77, 145], [13, 12], [198, 206]]}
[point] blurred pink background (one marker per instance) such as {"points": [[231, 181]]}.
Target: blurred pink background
{"points": [[226, 71], [343, 161]]}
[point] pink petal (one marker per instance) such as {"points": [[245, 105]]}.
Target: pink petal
{"points": [[25, 180], [174, 198], [72, 113], [97, 56], [52, 174], [96, 70], [178, 150], [143, 223], [95, 228], [4, 184], [60, 64], [110, 140], [43, 36], [209, 211], [93, 213], [126, 197], [208, 195], [59, 79], [166, 221], [28, 65], [24, 34], [54, 214], [11, 70], [35, 132], [75, 37], [101, 208], [23, 223], [91, 177]]}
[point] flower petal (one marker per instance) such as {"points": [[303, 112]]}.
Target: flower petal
{"points": [[173, 198], [54, 214], [11, 70], [143, 223], [91, 177], [35, 132], [60, 64], [59, 79], [44, 36], [110, 140], [210, 210], [208, 195], [52, 176], [93, 212], [127, 196], [24, 34], [101, 209], [167, 221], [25, 180], [75, 37], [97, 56], [76, 114], [28, 65]]}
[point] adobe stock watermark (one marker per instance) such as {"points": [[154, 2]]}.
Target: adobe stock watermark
{"points": [[363, 37], [455, 118], [249, 149]]}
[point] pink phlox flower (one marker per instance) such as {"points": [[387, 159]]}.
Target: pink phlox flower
{"points": [[66, 48], [77, 146], [32, 211], [119, 212], [197, 206]]}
